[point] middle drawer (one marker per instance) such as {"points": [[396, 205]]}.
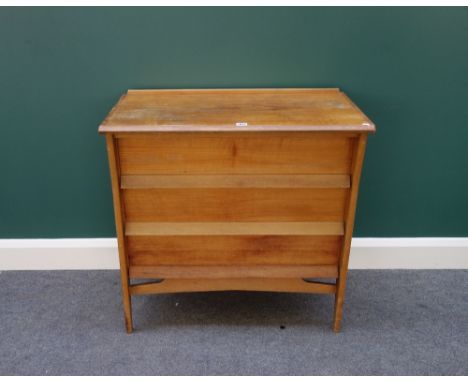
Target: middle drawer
{"points": [[234, 204]]}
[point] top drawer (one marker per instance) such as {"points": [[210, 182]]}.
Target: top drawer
{"points": [[236, 153]]}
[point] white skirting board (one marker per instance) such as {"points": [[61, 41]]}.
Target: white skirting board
{"points": [[366, 253]]}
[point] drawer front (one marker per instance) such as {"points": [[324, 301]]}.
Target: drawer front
{"points": [[233, 250], [242, 153], [234, 205]]}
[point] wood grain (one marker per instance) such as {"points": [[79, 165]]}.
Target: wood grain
{"points": [[119, 215], [238, 284], [358, 159], [234, 271], [233, 228], [235, 110], [227, 205], [242, 153], [234, 181], [238, 250]]}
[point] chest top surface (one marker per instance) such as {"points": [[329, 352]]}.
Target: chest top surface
{"points": [[236, 110]]}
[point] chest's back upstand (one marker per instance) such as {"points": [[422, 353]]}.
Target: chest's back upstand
{"points": [[246, 189]]}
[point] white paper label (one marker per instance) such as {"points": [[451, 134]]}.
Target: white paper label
{"points": [[241, 124]]}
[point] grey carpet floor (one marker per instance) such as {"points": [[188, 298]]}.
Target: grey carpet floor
{"points": [[395, 323]]}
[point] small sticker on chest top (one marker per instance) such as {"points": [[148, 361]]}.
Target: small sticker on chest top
{"points": [[241, 124]]}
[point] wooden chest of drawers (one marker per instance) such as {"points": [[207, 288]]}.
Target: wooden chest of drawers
{"points": [[246, 189]]}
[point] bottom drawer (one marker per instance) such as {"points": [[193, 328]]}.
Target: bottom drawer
{"points": [[233, 250]]}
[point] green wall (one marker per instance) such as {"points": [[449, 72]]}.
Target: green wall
{"points": [[62, 69]]}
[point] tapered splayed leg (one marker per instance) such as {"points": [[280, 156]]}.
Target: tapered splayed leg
{"points": [[338, 312], [127, 305]]}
